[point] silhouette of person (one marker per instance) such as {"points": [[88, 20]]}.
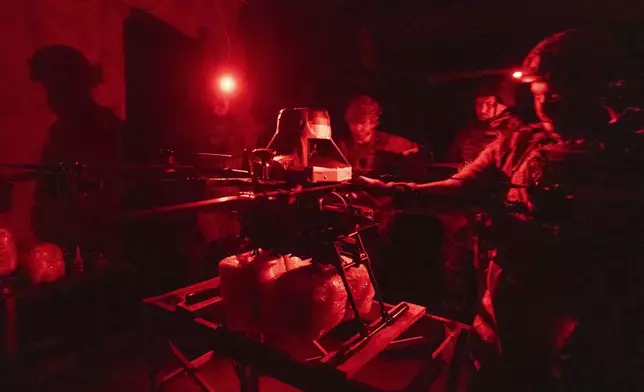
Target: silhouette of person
{"points": [[83, 132]]}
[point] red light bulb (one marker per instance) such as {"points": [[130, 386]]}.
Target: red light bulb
{"points": [[227, 84]]}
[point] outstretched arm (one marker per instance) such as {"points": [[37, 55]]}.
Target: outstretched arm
{"points": [[471, 173], [445, 187]]}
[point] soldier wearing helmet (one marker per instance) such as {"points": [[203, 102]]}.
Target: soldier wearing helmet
{"points": [[83, 132], [494, 117], [566, 195], [365, 142]]}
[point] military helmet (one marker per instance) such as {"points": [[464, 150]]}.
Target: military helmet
{"points": [[63, 65], [570, 59]]}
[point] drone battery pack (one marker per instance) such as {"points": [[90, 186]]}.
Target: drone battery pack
{"points": [[329, 174]]}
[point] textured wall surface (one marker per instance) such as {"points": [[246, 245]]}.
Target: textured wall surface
{"points": [[95, 28]]}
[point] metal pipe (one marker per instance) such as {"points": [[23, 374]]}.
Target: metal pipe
{"points": [[228, 199], [208, 154]]}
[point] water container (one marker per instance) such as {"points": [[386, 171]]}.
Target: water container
{"points": [[8, 254], [242, 281], [45, 263], [268, 268], [236, 279]]}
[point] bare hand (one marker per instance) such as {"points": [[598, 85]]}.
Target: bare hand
{"points": [[362, 180]]}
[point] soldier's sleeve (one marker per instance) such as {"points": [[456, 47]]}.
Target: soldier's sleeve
{"points": [[487, 160]]}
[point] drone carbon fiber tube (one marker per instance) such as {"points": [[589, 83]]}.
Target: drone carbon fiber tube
{"points": [[228, 199]]}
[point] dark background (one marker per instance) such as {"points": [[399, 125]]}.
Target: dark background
{"points": [[404, 53], [288, 53]]}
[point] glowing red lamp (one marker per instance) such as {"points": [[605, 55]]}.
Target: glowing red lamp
{"points": [[517, 74], [227, 84]]}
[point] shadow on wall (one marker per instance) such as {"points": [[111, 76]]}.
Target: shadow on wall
{"points": [[164, 88], [83, 132]]}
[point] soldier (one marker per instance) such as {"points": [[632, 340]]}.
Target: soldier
{"points": [[363, 116], [493, 118], [567, 245]]}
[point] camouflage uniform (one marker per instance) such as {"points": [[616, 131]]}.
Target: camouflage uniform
{"points": [[458, 233], [470, 141], [552, 271]]}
